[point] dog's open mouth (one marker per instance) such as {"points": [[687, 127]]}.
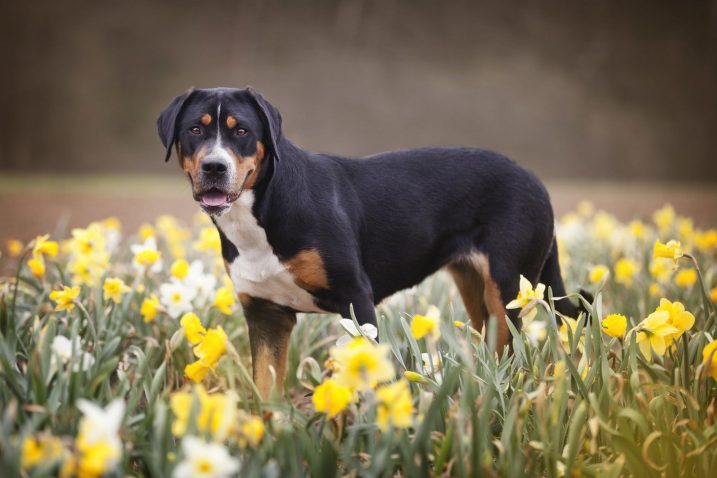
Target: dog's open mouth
{"points": [[214, 198]]}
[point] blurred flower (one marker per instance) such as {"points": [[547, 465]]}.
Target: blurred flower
{"points": [[638, 229], [535, 331], [368, 330], [179, 269], [585, 208], [216, 413], [88, 241], [625, 270], [65, 349], [224, 300], [146, 231], [98, 439], [202, 284], [43, 247], [527, 299], [208, 240], [661, 269], [113, 289], [664, 218], [395, 407], [65, 298], [176, 298], [565, 337], [14, 247], [603, 226], [251, 430], [598, 272], [686, 277], [193, 329], [709, 358], [706, 241], [615, 325], [713, 294], [362, 364], [146, 256], [653, 333], [655, 290], [331, 398], [685, 229], [40, 449], [672, 250], [432, 364], [37, 266], [150, 308], [205, 460], [427, 325]]}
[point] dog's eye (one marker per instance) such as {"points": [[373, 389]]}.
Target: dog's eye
{"points": [[241, 132], [195, 130]]}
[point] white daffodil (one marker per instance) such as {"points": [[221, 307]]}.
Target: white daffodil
{"points": [[368, 330], [146, 256], [205, 460], [527, 299], [63, 348], [99, 429], [535, 331], [433, 364], [204, 285], [176, 297]]}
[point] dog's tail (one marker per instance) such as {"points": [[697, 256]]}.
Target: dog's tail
{"points": [[551, 276]]}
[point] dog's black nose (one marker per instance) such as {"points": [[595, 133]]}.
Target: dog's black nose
{"points": [[214, 168]]}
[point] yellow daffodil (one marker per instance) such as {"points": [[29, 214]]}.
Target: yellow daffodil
{"points": [[686, 229], [585, 208], [88, 269], [664, 218], [14, 247], [40, 449], [331, 398], [179, 269], [661, 269], [527, 299], [679, 318], [686, 277], [672, 250], [146, 231], [216, 415], [713, 295], [394, 407], [615, 325], [625, 270], [196, 371], [709, 358], [149, 308], [113, 289], [427, 325], [65, 298], [603, 226], [208, 241], [564, 336], [598, 272], [414, 377], [212, 346], [88, 241], [655, 290], [362, 364], [224, 300], [193, 329], [638, 229], [37, 266], [654, 332], [706, 241], [43, 247], [251, 431], [98, 442]]}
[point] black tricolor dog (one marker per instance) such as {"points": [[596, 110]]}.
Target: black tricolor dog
{"points": [[308, 232]]}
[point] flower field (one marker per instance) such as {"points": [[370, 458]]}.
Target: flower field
{"points": [[125, 353]]}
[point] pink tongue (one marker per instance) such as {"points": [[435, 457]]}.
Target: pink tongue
{"points": [[214, 198]]}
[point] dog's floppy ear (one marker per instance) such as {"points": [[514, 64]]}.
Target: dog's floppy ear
{"points": [[270, 118], [167, 121]]}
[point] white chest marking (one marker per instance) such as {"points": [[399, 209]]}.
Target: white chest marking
{"points": [[257, 271]]}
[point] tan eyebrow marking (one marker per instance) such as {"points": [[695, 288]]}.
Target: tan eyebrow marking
{"points": [[231, 122], [206, 119]]}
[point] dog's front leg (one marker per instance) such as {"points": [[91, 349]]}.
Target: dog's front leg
{"points": [[270, 327]]}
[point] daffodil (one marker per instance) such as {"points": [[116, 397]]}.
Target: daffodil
{"points": [[88, 269], [686, 277], [216, 412], [598, 272], [713, 295], [149, 308], [565, 336], [176, 298], [331, 398], [615, 325], [114, 288], [394, 406], [414, 377], [251, 431], [205, 460], [65, 349], [527, 299], [196, 371], [193, 329], [146, 256], [655, 290], [654, 332], [664, 218], [43, 247], [603, 226], [37, 266], [179, 268], [706, 241], [428, 325], [208, 240], [212, 346], [146, 231], [535, 331], [201, 283], [367, 330], [709, 358], [65, 298], [40, 449], [98, 440], [637, 229], [362, 364], [679, 318], [14, 247], [87, 241], [661, 269], [625, 270], [672, 250], [224, 300]]}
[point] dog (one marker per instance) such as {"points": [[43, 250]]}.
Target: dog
{"points": [[309, 232]]}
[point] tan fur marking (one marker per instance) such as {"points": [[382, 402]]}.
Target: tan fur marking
{"points": [[244, 299], [257, 159], [308, 270], [231, 122], [263, 379], [480, 294], [206, 119]]}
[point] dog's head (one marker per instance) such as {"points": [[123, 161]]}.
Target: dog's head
{"points": [[224, 139]]}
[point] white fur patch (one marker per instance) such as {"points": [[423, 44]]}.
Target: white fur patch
{"points": [[257, 271]]}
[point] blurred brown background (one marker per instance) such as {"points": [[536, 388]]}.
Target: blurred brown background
{"points": [[577, 91]]}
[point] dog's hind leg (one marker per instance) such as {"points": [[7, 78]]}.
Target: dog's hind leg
{"points": [[480, 293]]}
